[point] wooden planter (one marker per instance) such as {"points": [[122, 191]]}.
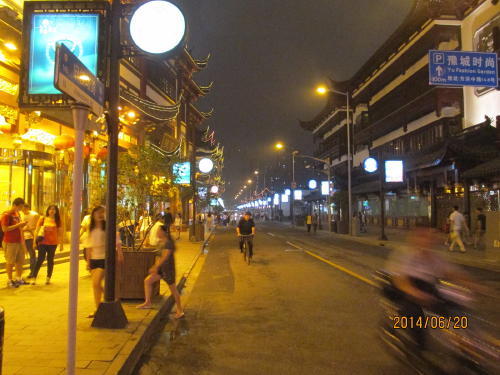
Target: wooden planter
{"points": [[136, 267]]}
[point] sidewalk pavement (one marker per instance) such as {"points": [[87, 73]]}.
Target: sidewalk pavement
{"points": [[36, 323], [488, 259]]}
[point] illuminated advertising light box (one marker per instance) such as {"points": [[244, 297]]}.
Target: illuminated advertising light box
{"points": [[284, 198], [77, 31], [182, 173], [394, 171], [288, 192], [324, 187], [297, 195]]}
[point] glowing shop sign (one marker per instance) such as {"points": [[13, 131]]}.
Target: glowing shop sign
{"points": [[284, 198], [205, 165], [77, 31], [182, 173], [370, 165], [288, 192], [325, 187], [297, 195], [39, 136]]}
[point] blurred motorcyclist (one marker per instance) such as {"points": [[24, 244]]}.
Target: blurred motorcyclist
{"points": [[417, 275]]}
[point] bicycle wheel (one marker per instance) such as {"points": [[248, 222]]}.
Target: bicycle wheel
{"points": [[247, 247]]}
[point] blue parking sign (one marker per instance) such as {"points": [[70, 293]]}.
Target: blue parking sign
{"points": [[460, 68]]}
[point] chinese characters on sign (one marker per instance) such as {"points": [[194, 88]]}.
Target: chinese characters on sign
{"points": [[458, 68]]}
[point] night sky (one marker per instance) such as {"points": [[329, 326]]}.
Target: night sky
{"points": [[267, 57]]}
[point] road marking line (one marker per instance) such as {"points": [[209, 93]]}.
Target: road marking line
{"points": [[291, 244], [271, 234], [293, 251], [343, 269]]}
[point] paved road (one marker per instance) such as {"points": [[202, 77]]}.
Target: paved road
{"points": [[287, 313]]}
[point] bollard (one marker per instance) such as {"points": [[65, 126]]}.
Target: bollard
{"points": [[2, 330]]}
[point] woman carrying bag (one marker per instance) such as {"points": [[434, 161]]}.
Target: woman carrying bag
{"points": [[48, 234]]}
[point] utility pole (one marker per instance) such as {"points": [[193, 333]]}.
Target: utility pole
{"points": [[110, 313]]}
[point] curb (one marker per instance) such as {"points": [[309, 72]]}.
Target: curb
{"points": [[129, 357]]}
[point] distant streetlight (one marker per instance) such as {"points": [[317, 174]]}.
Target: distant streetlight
{"points": [[249, 181], [279, 146], [256, 172], [321, 90]]}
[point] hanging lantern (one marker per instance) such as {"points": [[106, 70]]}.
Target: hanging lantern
{"points": [[86, 151], [63, 142], [5, 127], [103, 153]]}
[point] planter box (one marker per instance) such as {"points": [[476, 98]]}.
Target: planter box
{"points": [[136, 267]]}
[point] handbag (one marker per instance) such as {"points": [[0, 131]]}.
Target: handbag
{"points": [[39, 239]]}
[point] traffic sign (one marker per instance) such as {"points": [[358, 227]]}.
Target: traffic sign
{"points": [[461, 68], [74, 79]]}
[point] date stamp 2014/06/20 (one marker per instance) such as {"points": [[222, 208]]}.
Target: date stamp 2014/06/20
{"points": [[433, 322]]}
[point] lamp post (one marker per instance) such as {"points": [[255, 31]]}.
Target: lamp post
{"points": [[323, 90]]}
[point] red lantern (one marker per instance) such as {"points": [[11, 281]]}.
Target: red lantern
{"points": [[86, 151], [103, 153], [63, 142]]}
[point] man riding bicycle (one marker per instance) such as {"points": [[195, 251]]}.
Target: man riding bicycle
{"points": [[246, 227]]}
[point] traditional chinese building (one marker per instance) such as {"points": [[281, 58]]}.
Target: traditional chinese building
{"points": [[157, 106], [447, 137]]}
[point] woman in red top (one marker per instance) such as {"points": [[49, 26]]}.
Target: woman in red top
{"points": [[48, 234]]}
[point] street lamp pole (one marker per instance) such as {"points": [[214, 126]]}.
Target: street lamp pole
{"points": [[349, 167], [349, 185], [292, 198], [329, 199]]}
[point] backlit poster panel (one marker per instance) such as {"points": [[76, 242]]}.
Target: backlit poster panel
{"points": [[393, 171], [78, 31], [182, 173]]}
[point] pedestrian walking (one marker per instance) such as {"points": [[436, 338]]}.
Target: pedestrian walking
{"points": [[48, 234], [126, 228], [309, 223], [145, 222], [480, 229], [153, 238], [178, 225], [315, 222], [164, 268], [13, 242], [458, 227], [96, 245], [31, 219], [209, 223]]}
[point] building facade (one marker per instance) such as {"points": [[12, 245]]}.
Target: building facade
{"points": [[447, 137], [157, 106]]}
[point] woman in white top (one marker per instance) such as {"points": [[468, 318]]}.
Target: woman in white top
{"points": [[178, 225], [96, 247]]}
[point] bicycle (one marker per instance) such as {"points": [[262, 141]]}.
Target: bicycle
{"points": [[246, 240]]}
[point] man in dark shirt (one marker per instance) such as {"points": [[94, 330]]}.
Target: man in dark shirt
{"points": [[480, 228], [246, 227]]}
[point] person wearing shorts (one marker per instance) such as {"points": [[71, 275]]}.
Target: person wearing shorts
{"points": [[13, 243], [96, 245], [164, 268]]}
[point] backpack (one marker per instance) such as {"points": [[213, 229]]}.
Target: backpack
{"points": [[1, 230]]}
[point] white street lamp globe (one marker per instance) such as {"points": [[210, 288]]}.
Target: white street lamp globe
{"points": [[214, 189], [206, 165], [370, 165], [313, 184], [157, 26]]}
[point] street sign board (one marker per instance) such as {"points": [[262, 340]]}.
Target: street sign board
{"points": [[74, 79], [463, 68]]}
